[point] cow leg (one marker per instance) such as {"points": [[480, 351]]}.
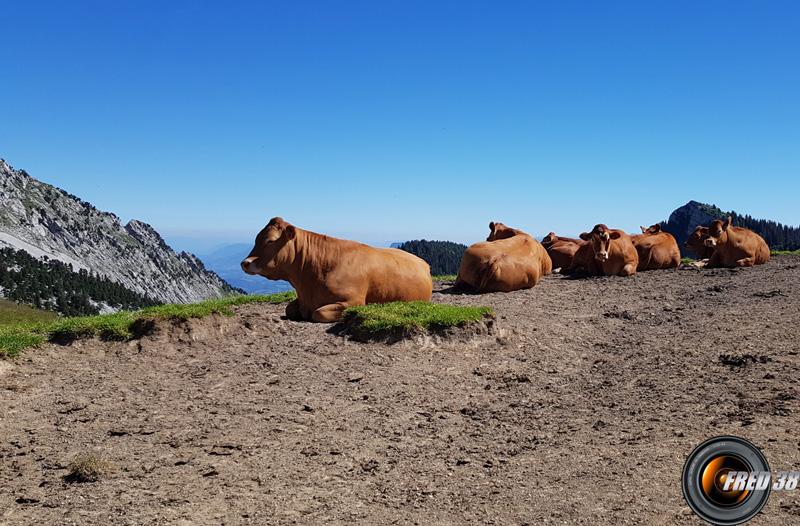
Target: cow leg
{"points": [[745, 262], [628, 270], [329, 313], [293, 310]]}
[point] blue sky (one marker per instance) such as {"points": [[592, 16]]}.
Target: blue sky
{"points": [[384, 121]]}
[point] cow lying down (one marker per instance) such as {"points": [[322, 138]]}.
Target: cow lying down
{"points": [[608, 252], [561, 250], [508, 260], [657, 249], [332, 274], [734, 246]]}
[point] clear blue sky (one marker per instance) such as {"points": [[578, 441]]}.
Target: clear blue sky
{"points": [[384, 121]]}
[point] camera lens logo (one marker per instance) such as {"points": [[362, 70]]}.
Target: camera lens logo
{"points": [[717, 480]]}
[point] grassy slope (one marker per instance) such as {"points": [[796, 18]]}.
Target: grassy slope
{"points": [[13, 313], [15, 337]]}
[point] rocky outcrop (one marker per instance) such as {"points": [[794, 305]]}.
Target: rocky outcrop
{"points": [[682, 221], [46, 221]]}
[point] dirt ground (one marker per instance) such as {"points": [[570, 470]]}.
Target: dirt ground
{"points": [[580, 410]]}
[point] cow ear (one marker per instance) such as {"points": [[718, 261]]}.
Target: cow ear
{"points": [[491, 226], [586, 236], [644, 230], [615, 235], [290, 231], [656, 228], [727, 223]]}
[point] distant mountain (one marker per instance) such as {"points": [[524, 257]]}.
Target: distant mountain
{"points": [[226, 260], [46, 221], [683, 221], [444, 257]]}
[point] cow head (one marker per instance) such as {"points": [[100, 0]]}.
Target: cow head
{"points": [[653, 229], [600, 237], [717, 232], [500, 231], [270, 251], [697, 239], [549, 239]]}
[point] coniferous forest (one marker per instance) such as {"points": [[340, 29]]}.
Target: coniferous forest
{"points": [[777, 235], [54, 285], [444, 257]]}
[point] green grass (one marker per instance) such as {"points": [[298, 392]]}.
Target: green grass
{"points": [[16, 337], [14, 313], [687, 261], [444, 277], [404, 316], [785, 253]]}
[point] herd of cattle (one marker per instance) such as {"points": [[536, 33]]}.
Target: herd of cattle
{"points": [[332, 274]]}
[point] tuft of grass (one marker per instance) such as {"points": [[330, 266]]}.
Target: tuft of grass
{"points": [[785, 253], [405, 316], [444, 277], [687, 261], [88, 467], [14, 338]]}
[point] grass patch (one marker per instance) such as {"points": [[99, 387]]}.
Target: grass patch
{"points": [[687, 261], [13, 313], [13, 340], [785, 253], [406, 316], [444, 277], [17, 337], [88, 467]]}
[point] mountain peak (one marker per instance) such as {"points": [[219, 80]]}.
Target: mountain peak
{"points": [[46, 221]]}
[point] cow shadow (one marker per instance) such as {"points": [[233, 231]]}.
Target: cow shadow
{"points": [[459, 289]]}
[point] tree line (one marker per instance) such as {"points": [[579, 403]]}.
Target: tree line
{"points": [[777, 235], [54, 285], [444, 257]]}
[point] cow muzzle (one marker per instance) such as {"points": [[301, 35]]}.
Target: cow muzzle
{"points": [[248, 265], [601, 256], [710, 242]]}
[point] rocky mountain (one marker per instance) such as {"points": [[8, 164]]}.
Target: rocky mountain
{"points": [[683, 221], [46, 221]]}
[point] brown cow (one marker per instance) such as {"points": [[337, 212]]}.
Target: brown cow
{"points": [[561, 249], [508, 260], [332, 274], [609, 252], [697, 243], [656, 249], [735, 246]]}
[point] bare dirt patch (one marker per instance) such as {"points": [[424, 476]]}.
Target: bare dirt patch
{"points": [[579, 410]]}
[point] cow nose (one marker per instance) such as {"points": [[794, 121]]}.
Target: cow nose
{"points": [[246, 264]]}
